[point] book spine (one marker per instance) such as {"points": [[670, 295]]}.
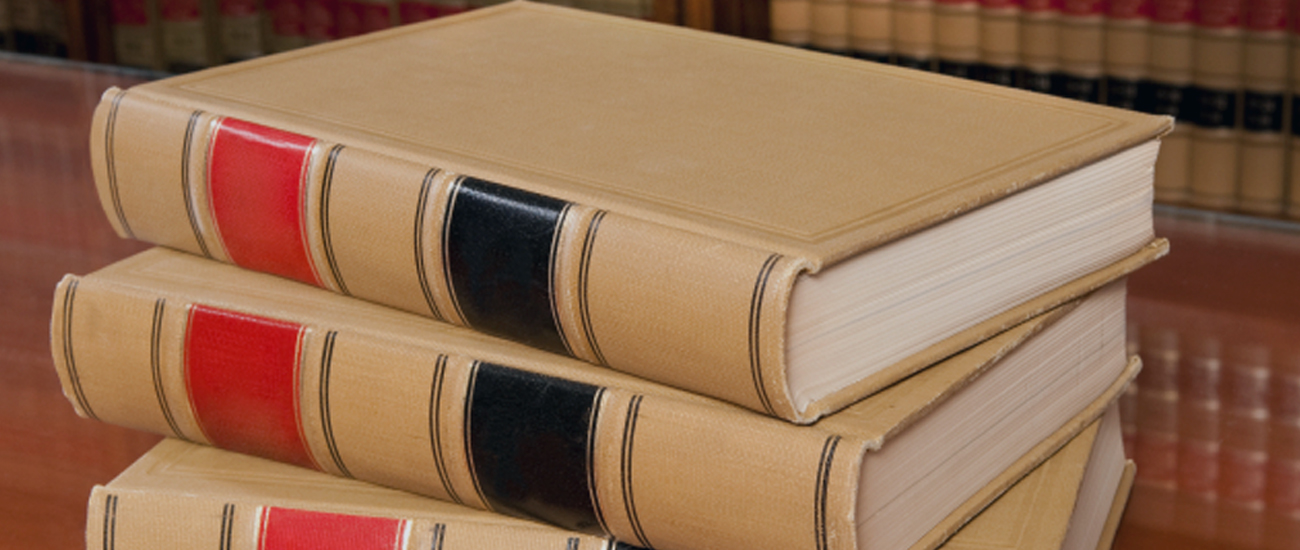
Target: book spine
{"points": [[1040, 29], [162, 519], [648, 469], [188, 43], [999, 41], [358, 17], [1293, 134], [1127, 55], [6, 26], [1217, 75], [1263, 143], [28, 33], [957, 38], [1082, 49], [791, 22], [1172, 56], [241, 29], [430, 241], [285, 25], [829, 26], [914, 34], [871, 30], [136, 38], [320, 21]]}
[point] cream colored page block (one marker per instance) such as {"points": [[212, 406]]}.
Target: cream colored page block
{"points": [[830, 24], [117, 382], [871, 26], [153, 201], [373, 232], [957, 31], [791, 21], [682, 498], [688, 311]]}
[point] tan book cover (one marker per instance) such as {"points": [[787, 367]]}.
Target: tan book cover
{"points": [[1172, 61], [175, 344], [607, 188], [1265, 66], [1215, 148], [180, 495]]}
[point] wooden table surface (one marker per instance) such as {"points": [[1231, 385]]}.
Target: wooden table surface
{"points": [[1213, 421]]}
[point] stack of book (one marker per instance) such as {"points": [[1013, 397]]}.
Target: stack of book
{"points": [[647, 285]]}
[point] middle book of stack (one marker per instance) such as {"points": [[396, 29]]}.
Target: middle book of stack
{"points": [[762, 236]]}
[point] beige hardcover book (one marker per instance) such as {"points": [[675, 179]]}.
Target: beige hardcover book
{"points": [[781, 229], [182, 346], [1082, 41], [914, 34], [1172, 59], [1127, 54], [137, 41], [999, 42], [791, 22], [871, 29], [957, 37], [1263, 177], [1040, 45], [1293, 137], [829, 26], [180, 496], [185, 496], [189, 34], [241, 29], [1217, 74]]}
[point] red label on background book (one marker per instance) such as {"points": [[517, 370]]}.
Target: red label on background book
{"points": [[1173, 12], [1266, 15], [130, 12], [180, 10], [413, 12], [320, 19], [242, 375], [288, 529], [1042, 6], [1001, 4], [1129, 9], [360, 17], [1218, 14], [1083, 7], [238, 8], [256, 177], [286, 17]]}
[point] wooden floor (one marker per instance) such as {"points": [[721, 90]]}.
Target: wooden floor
{"points": [[1213, 421]]}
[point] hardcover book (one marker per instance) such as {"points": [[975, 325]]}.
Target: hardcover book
{"points": [[185, 496], [175, 344], [781, 229]]}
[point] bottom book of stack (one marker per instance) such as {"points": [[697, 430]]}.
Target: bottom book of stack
{"points": [[186, 496]]}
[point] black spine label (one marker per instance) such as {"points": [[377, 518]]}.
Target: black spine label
{"points": [[499, 246], [1263, 112], [1172, 100], [1216, 108], [528, 437]]}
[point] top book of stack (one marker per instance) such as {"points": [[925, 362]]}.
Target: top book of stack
{"points": [[782, 229]]}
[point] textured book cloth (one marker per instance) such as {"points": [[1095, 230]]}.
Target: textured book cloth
{"points": [[185, 496], [781, 229], [175, 344]]}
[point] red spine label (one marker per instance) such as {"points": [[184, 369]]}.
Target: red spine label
{"points": [[1042, 6], [256, 178], [320, 20], [1082, 8], [1218, 14], [1266, 15], [1174, 12], [242, 376], [288, 529], [130, 12], [180, 10], [361, 17], [412, 12], [238, 8], [1129, 9], [286, 17], [1001, 4]]}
